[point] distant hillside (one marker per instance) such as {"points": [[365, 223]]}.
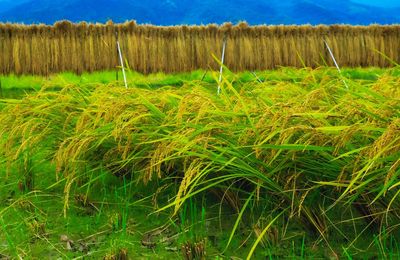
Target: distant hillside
{"points": [[171, 12]]}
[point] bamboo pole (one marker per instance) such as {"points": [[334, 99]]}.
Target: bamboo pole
{"points": [[336, 64], [256, 76], [122, 63], [222, 66]]}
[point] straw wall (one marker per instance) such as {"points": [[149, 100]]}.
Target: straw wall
{"points": [[40, 49]]}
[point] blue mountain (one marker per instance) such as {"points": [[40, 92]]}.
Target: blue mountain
{"points": [[173, 12], [5, 5]]}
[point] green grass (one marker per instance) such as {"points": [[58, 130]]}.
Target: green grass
{"points": [[295, 165], [283, 74]]}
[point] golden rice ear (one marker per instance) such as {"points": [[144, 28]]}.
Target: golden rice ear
{"points": [[63, 27], [242, 25], [212, 27], [226, 28], [109, 23]]}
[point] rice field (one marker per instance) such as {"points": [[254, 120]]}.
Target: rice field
{"points": [[290, 163]]}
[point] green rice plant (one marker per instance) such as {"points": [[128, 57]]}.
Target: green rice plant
{"points": [[25, 168], [304, 146], [253, 248]]}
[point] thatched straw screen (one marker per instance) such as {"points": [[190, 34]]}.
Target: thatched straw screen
{"points": [[40, 49]]}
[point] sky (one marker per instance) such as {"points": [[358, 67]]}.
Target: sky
{"points": [[380, 3]]}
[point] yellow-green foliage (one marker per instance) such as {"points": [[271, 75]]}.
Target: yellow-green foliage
{"points": [[308, 145], [41, 49]]}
